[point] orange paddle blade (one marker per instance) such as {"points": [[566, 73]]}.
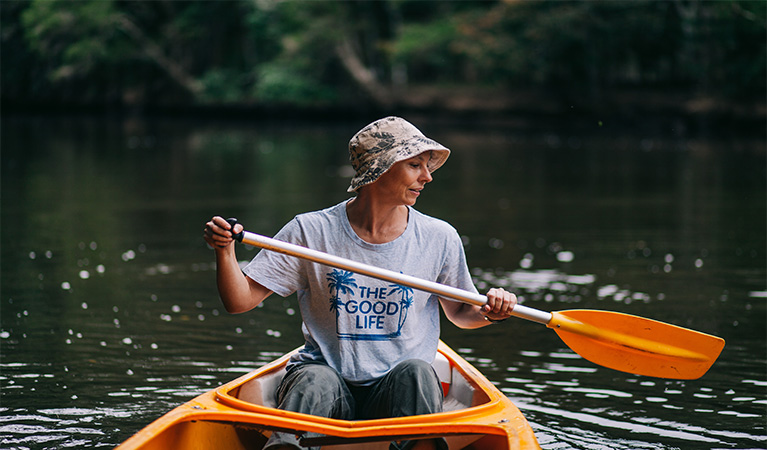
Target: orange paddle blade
{"points": [[637, 345]]}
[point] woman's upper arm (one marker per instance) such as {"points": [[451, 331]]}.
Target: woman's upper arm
{"points": [[256, 294], [258, 291]]}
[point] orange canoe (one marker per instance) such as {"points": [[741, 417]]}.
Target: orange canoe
{"points": [[241, 415]]}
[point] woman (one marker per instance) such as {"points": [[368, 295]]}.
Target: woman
{"points": [[369, 343]]}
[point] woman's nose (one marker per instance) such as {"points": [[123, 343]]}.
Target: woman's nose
{"points": [[425, 174]]}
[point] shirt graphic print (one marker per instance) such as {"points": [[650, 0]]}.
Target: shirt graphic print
{"points": [[367, 313]]}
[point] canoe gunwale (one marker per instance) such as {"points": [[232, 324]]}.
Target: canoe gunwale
{"points": [[496, 417], [226, 395]]}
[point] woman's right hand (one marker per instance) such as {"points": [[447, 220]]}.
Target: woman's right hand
{"points": [[218, 233]]}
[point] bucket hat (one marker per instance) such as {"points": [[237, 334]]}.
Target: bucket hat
{"points": [[376, 147]]}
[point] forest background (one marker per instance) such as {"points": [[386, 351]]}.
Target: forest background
{"points": [[617, 59]]}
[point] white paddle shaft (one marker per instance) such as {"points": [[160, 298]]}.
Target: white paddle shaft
{"points": [[441, 290]]}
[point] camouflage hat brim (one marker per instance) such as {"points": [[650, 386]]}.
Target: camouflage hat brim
{"points": [[378, 146]]}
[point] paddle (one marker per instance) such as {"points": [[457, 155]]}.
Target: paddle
{"points": [[619, 341]]}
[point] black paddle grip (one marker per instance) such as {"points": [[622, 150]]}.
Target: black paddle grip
{"points": [[232, 222]]}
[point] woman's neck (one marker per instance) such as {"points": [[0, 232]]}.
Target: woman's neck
{"points": [[376, 222]]}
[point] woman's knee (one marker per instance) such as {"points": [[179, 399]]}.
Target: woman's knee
{"points": [[412, 388], [312, 379], [416, 370], [315, 389], [417, 379]]}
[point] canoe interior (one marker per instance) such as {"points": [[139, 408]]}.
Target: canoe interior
{"points": [[241, 415], [459, 392], [206, 435]]}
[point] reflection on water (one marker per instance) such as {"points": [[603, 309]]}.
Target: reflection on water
{"points": [[110, 315]]}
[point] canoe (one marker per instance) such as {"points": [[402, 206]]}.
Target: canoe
{"points": [[242, 415]]}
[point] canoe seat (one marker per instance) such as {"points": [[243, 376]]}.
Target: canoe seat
{"points": [[458, 392], [262, 390]]}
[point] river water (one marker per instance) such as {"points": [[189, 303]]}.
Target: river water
{"points": [[110, 315]]}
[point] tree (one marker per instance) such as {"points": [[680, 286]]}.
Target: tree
{"points": [[341, 282], [308, 52], [405, 302]]}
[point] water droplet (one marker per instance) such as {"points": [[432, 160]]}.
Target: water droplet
{"points": [[84, 305], [565, 256], [273, 333], [127, 341], [704, 395], [496, 243], [66, 286]]}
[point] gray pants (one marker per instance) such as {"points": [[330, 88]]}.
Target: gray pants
{"points": [[410, 388]]}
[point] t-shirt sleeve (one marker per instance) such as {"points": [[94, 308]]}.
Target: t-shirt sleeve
{"points": [[455, 270], [281, 274]]}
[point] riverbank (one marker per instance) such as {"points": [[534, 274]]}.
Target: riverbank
{"points": [[644, 110]]}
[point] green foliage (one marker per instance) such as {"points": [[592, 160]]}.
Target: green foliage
{"points": [[737, 41], [224, 85], [74, 36], [426, 49], [288, 51], [280, 83]]}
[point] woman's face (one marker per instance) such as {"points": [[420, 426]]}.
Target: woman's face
{"points": [[405, 180]]}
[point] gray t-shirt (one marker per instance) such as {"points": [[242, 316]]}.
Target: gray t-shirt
{"points": [[362, 326]]}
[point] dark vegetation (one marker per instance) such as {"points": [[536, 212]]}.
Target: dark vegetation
{"points": [[472, 59]]}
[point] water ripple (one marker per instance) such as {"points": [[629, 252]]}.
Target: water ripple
{"points": [[621, 425]]}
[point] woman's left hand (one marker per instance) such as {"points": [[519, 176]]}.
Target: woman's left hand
{"points": [[499, 305]]}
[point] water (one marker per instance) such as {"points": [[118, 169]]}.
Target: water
{"points": [[110, 315]]}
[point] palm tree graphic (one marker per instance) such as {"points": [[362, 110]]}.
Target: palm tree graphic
{"points": [[405, 302], [340, 282]]}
